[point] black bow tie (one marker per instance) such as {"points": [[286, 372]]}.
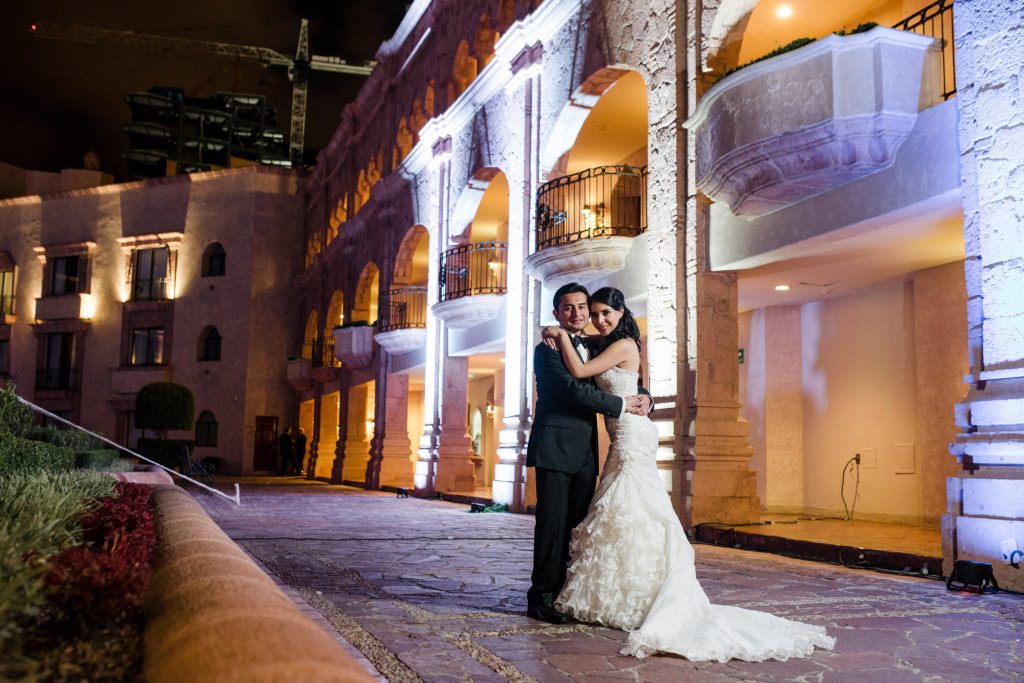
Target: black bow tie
{"points": [[579, 341]]}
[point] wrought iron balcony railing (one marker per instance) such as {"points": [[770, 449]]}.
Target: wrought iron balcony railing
{"points": [[153, 289], [403, 308], [321, 353], [936, 20], [471, 269], [606, 201], [56, 379]]}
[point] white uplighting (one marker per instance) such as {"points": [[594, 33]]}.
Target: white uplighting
{"points": [[781, 288], [784, 12]]}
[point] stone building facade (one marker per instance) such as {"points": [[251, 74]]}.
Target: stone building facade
{"points": [[809, 211], [108, 287]]}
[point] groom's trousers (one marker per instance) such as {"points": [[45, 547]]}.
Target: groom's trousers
{"points": [[562, 502]]}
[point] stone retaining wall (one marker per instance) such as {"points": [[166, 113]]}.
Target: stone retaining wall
{"points": [[213, 615]]}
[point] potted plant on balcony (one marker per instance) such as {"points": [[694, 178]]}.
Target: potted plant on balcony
{"points": [[353, 343]]}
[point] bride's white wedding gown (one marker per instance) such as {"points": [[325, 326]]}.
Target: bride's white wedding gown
{"points": [[633, 568]]}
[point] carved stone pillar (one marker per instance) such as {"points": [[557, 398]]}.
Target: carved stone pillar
{"points": [[390, 452], [454, 450], [314, 438], [985, 508], [357, 445], [325, 435]]}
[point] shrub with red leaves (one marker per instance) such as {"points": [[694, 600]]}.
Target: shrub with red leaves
{"points": [[107, 576]]}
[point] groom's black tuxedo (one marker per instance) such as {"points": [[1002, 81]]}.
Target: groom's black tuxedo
{"points": [[563, 449]]}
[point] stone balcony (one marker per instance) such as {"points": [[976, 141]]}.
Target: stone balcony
{"points": [[299, 373], [586, 223], [473, 283], [403, 319], [64, 307], [353, 346], [800, 124]]}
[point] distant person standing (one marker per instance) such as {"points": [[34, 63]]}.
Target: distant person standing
{"points": [[285, 451], [299, 452]]}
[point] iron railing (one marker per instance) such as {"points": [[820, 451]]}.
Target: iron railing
{"points": [[606, 201], [321, 353], [153, 289], [403, 308], [936, 20], [56, 379], [470, 269]]}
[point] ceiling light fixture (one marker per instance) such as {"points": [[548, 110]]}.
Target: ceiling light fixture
{"points": [[784, 12], [781, 288]]}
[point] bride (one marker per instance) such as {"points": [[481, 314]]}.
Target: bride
{"points": [[632, 567]]}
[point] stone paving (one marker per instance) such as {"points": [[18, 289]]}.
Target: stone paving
{"points": [[427, 591]]}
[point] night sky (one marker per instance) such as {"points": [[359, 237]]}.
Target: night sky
{"points": [[59, 100]]}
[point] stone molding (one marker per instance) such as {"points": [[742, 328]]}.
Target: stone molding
{"points": [[839, 110], [397, 342], [468, 311], [582, 261]]}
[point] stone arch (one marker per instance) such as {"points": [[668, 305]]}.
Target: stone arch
{"points": [[310, 335], [468, 203], [570, 120], [722, 46], [409, 269], [483, 45], [506, 14], [364, 307], [362, 192], [338, 216], [428, 98], [335, 311], [403, 142], [464, 69]]}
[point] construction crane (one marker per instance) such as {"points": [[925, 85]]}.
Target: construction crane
{"points": [[298, 67]]}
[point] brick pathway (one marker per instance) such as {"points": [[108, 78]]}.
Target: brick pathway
{"points": [[426, 591]]}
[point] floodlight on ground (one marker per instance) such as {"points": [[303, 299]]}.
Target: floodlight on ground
{"points": [[402, 493], [477, 507], [975, 577]]}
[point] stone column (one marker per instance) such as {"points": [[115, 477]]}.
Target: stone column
{"points": [[516, 392], [313, 445], [357, 447], [454, 449], [425, 467], [986, 502], [325, 436], [338, 466], [390, 453]]}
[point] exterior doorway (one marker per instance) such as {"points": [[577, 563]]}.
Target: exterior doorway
{"points": [[265, 448]]}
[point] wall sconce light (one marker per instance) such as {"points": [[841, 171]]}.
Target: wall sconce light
{"points": [[490, 409]]}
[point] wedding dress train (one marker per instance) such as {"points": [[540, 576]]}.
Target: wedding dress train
{"points": [[633, 567]]}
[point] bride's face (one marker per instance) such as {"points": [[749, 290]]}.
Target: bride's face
{"points": [[604, 318]]}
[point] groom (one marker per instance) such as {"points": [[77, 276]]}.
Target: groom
{"points": [[563, 449]]}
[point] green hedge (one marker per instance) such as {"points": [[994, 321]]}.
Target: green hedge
{"points": [[74, 439], [167, 452], [19, 455], [100, 459], [15, 416]]}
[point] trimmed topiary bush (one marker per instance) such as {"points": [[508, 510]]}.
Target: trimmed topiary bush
{"points": [[65, 437], [100, 459], [164, 406]]}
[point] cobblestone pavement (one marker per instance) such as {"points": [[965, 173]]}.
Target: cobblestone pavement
{"points": [[426, 591]]}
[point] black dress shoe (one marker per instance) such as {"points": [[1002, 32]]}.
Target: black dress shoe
{"points": [[546, 613]]}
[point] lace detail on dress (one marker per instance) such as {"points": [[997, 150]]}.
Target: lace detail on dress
{"points": [[633, 567]]}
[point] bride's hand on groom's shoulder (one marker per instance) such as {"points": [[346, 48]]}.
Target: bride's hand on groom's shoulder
{"points": [[550, 336]]}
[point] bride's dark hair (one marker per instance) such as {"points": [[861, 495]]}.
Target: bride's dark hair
{"points": [[627, 327]]}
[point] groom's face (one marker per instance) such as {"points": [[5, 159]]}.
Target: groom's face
{"points": [[573, 312]]}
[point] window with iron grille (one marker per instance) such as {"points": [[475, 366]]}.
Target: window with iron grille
{"points": [[149, 279], [148, 346], [65, 272]]}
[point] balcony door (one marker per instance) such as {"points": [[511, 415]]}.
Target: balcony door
{"points": [[58, 361], [150, 277]]}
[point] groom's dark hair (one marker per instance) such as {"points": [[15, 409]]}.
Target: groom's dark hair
{"points": [[570, 288]]}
